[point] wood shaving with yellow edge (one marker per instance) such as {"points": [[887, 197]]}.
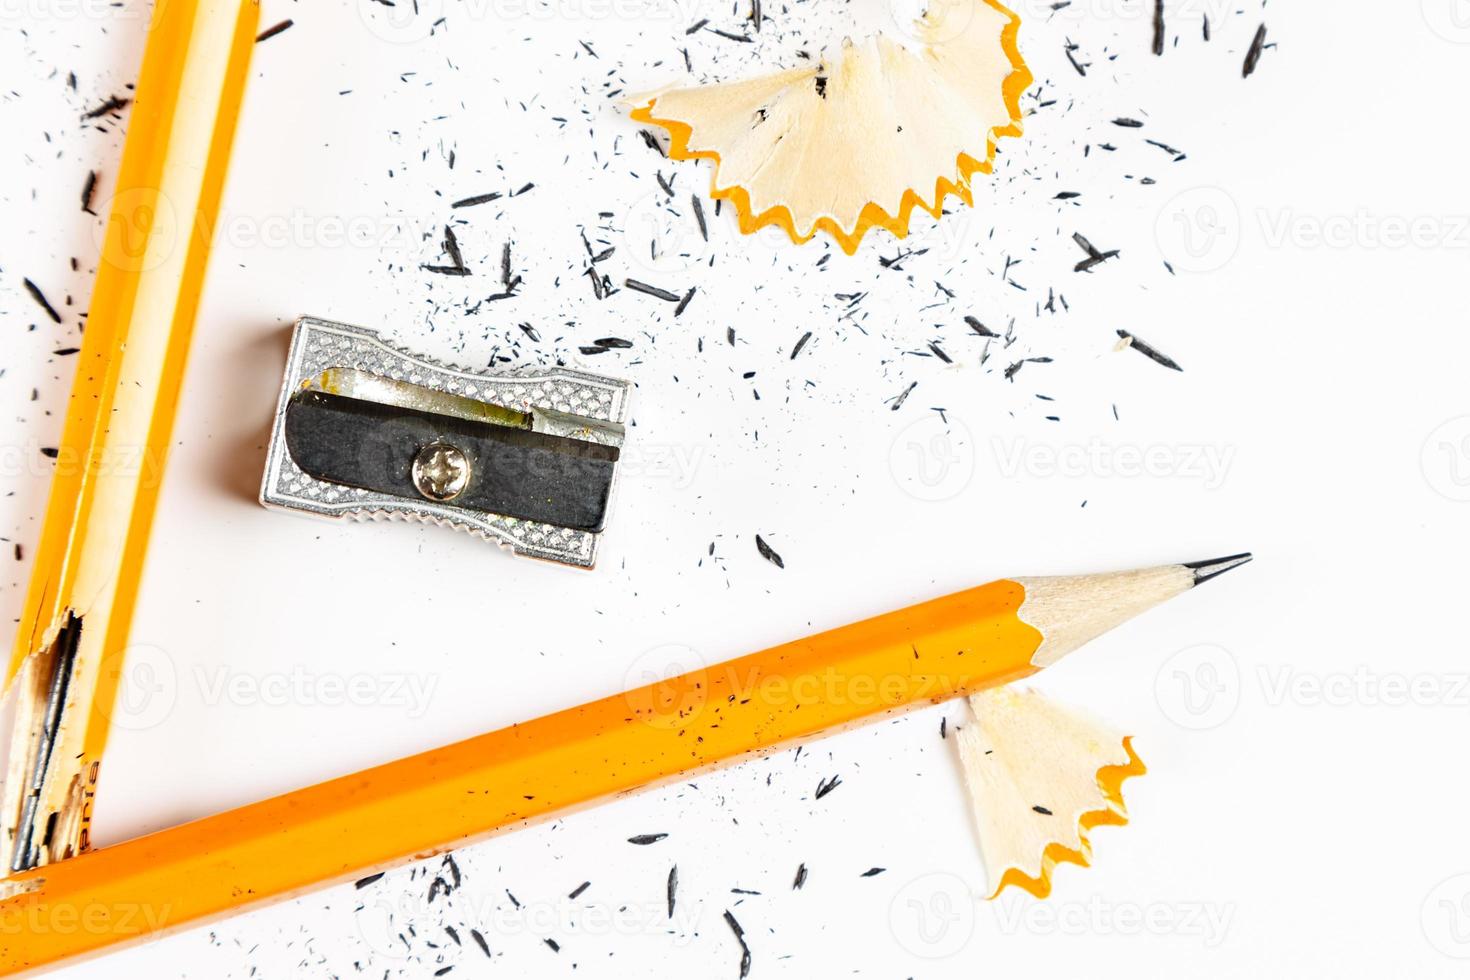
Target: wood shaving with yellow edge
{"points": [[1040, 777], [864, 137]]}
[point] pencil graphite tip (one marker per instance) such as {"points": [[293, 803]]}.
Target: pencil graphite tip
{"points": [[1211, 567]]}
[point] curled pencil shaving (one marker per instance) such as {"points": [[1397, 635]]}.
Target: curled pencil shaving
{"points": [[1040, 777], [865, 136]]}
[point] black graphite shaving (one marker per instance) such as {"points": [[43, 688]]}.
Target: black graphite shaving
{"points": [[113, 105], [1253, 55], [1072, 57], [744, 948], [1094, 256], [42, 301], [651, 141], [1178, 155], [903, 396], [979, 329], [643, 287], [684, 302], [469, 202], [88, 189], [1149, 351], [768, 553], [457, 265], [699, 216], [451, 245], [271, 32]]}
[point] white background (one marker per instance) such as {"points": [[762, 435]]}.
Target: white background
{"points": [[1304, 719]]}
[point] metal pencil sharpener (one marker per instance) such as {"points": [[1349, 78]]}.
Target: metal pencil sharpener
{"points": [[367, 431]]}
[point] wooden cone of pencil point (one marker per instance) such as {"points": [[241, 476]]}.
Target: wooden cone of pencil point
{"points": [[368, 822]]}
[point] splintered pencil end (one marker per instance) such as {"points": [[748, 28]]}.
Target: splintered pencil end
{"points": [[1210, 568]]}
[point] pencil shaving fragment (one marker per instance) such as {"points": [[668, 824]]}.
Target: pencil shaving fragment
{"points": [[1040, 777], [871, 132]]}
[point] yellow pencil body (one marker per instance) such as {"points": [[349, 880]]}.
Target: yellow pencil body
{"points": [[356, 825]]}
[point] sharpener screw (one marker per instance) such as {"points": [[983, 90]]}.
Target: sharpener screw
{"points": [[441, 471]]}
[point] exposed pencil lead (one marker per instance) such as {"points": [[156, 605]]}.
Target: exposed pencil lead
{"points": [[1208, 569]]}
